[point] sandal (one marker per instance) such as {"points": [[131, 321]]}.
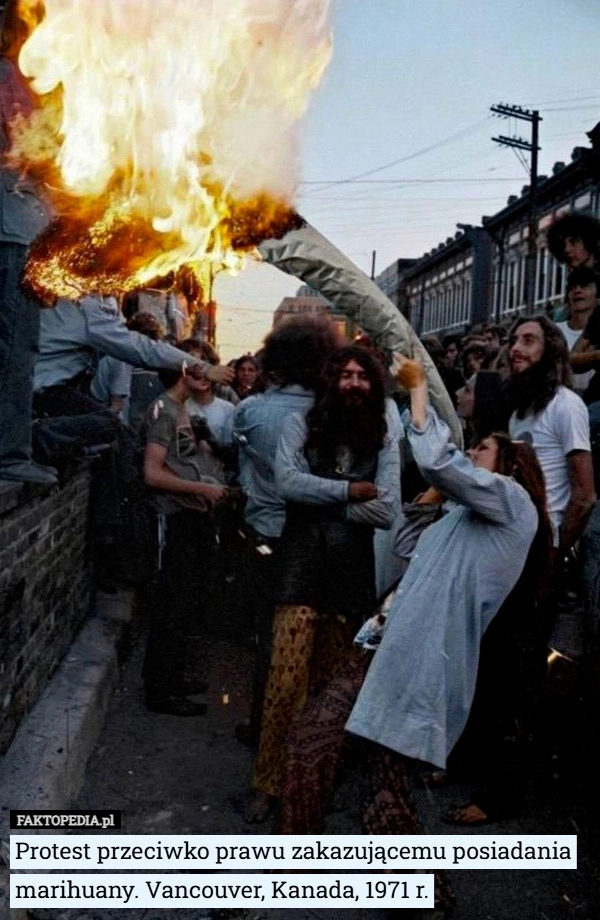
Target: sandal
{"points": [[468, 815]]}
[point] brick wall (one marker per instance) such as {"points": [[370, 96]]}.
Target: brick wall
{"points": [[45, 588]]}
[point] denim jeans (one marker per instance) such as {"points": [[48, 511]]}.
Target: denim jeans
{"points": [[19, 332]]}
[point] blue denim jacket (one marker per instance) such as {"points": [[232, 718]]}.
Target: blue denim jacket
{"points": [[257, 424]]}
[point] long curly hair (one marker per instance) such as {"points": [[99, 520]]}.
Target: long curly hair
{"points": [[533, 389], [296, 349], [519, 460], [329, 425], [577, 226]]}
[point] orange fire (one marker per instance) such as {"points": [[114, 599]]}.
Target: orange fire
{"points": [[166, 133]]}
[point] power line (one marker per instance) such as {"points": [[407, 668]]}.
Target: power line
{"points": [[406, 181], [560, 100], [412, 156], [572, 108]]}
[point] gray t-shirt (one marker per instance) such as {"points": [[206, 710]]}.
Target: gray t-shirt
{"points": [[167, 423]]}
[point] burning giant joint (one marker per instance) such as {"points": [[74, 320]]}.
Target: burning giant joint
{"points": [[165, 136], [165, 133], [305, 253]]}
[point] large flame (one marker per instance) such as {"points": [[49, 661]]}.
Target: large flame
{"points": [[166, 132]]}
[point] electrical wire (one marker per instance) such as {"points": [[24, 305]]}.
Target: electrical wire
{"points": [[411, 156]]}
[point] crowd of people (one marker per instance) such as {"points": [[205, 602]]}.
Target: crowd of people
{"points": [[392, 580], [398, 644]]}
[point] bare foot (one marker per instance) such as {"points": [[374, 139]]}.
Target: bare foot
{"points": [[260, 807]]}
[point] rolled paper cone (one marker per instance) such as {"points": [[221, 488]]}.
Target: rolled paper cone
{"points": [[308, 255]]}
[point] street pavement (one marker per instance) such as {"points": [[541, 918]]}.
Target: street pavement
{"points": [[172, 775]]}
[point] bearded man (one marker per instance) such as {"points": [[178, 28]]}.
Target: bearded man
{"points": [[554, 420], [338, 470]]}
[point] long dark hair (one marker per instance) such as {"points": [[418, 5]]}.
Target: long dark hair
{"points": [[577, 226], [328, 427], [535, 388], [296, 349], [518, 460]]}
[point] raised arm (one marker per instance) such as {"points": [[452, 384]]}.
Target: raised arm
{"points": [[497, 498], [108, 335]]}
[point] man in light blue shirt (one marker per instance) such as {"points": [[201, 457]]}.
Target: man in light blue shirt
{"points": [[73, 333]]}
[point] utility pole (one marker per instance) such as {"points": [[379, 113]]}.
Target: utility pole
{"points": [[532, 147]]}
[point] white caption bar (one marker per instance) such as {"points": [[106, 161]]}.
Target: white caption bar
{"points": [[342, 891], [336, 852]]}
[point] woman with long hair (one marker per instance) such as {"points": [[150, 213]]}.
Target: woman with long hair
{"points": [[461, 573]]}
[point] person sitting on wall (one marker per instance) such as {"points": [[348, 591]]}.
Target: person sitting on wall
{"points": [[74, 333]]}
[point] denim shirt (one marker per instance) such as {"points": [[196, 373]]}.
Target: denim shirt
{"points": [[257, 425], [75, 332], [297, 483]]}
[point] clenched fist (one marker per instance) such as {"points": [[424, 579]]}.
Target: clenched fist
{"points": [[362, 491], [409, 372]]}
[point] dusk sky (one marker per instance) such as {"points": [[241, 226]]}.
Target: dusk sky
{"points": [[397, 143]]}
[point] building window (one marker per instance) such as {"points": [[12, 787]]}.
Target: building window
{"points": [[425, 310], [559, 279], [541, 274], [522, 280], [511, 286]]}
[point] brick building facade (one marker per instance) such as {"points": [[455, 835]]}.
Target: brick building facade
{"points": [[479, 275]]}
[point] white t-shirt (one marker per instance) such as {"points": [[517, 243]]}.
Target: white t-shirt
{"points": [[580, 381], [219, 415], [561, 427]]}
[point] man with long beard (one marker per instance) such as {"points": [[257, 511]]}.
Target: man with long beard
{"points": [[338, 470], [555, 421]]}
